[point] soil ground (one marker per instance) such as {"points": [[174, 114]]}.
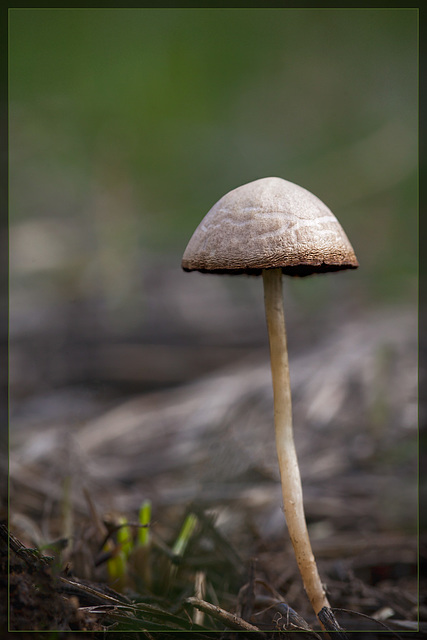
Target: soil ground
{"points": [[81, 460]]}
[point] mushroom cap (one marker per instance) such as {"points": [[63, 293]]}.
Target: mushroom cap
{"points": [[268, 224]]}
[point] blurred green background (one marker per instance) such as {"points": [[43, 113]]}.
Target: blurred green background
{"points": [[127, 125]]}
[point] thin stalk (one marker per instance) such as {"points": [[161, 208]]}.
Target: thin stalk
{"points": [[288, 462]]}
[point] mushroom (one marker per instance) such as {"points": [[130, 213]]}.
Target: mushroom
{"points": [[269, 227]]}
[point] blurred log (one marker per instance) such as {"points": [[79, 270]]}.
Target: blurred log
{"points": [[354, 404]]}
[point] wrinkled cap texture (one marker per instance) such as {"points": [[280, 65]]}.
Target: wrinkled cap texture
{"points": [[267, 224]]}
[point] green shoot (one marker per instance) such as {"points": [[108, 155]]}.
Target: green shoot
{"points": [[144, 519], [117, 564], [141, 555], [124, 537], [181, 542], [184, 535]]}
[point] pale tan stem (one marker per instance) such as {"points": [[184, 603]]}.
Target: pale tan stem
{"points": [[288, 463]]}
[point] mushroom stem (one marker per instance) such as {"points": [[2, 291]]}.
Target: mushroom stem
{"points": [[288, 462]]}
